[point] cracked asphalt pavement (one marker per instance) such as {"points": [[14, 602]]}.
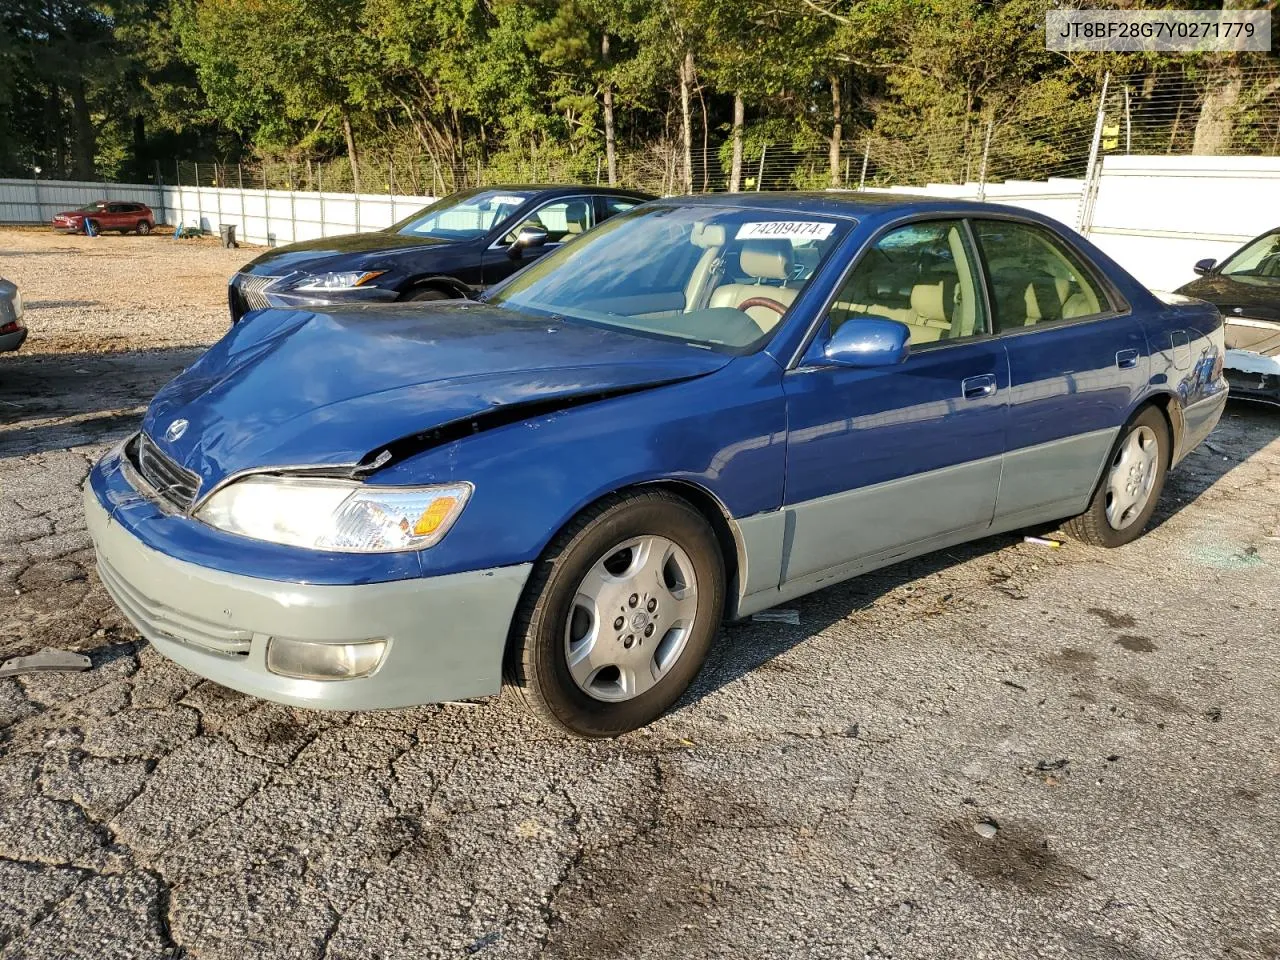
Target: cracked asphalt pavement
{"points": [[1001, 750]]}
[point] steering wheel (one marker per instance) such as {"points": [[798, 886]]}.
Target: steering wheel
{"points": [[774, 305]]}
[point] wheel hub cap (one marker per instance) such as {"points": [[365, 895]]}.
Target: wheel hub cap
{"points": [[1131, 478], [630, 618]]}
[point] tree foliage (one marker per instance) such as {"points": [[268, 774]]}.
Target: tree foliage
{"points": [[108, 87]]}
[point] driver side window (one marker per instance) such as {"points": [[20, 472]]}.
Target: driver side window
{"points": [[562, 219], [923, 275]]}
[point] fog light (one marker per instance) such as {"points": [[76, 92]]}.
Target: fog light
{"points": [[324, 661]]}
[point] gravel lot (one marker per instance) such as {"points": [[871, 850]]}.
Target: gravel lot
{"points": [[997, 751]]}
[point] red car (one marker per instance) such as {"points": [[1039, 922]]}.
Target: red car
{"points": [[126, 216]]}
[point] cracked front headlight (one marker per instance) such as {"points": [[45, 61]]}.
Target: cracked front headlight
{"points": [[338, 515], [344, 280]]}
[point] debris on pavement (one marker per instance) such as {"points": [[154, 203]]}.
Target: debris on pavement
{"points": [[1043, 542], [777, 616], [986, 829], [48, 659]]}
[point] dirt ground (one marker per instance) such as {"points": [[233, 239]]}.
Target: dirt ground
{"points": [[997, 751]]}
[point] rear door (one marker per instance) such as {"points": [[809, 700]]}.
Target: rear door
{"points": [[1078, 359], [889, 461], [609, 205]]}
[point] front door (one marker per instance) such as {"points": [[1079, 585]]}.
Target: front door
{"points": [[562, 219], [892, 461], [1077, 361]]}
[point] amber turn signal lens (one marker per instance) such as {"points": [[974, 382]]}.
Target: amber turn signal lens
{"points": [[434, 515]]}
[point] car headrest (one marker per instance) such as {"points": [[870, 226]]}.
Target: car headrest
{"points": [[928, 303], [575, 216], [707, 235], [766, 259]]}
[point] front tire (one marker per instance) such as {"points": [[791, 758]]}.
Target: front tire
{"points": [[426, 293], [618, 615], [1130, 486], [144, 228]]}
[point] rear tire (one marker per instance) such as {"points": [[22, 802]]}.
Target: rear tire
{"points": [[144, 228], [1130, 486], [618, 615], [426, 293]]}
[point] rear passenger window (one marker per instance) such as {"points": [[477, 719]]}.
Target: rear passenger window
{"points": [[1034, 278], [616, 205], [922, 275]]}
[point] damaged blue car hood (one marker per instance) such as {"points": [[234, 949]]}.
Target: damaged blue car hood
{"points": [[299, 389]]}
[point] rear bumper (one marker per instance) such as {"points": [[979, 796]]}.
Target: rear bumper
{"points": [[445, 635], [12, 341], [1253, 376]]}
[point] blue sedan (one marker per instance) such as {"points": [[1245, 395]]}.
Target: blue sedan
{"points": [[702, 408]]}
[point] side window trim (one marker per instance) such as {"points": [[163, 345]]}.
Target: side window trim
{"points": [[960, 218], [1118, 304], [602, 205], [522, 217], [980, 268]]}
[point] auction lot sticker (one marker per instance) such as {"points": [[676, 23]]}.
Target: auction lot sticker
{"points": [[786, 230]]}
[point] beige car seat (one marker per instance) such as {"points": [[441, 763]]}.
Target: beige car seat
{"points": [[946, 308], [927, 317], [710, 239], [576, 217], [761, 260]]}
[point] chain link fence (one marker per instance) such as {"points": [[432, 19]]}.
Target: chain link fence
{"points": [[1234, 110]]}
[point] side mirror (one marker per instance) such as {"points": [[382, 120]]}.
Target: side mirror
{"points": [[527, 238], [868, 342], [1204, 266]]}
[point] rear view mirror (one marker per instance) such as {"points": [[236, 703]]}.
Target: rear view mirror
{"points": [[528, 237], [1204, 266], [868, 342]]}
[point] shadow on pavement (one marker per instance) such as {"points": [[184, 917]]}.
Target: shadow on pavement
{"points": [[54, 401], [741, 648], [1245, 428]]}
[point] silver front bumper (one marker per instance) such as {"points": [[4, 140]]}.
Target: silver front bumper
{"points": [[445, 634]]}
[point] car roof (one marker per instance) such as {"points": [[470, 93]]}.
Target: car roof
{"points": [[553, 189], [844, 203]]}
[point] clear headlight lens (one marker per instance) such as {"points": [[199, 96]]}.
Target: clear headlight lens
{"points": [[338, 515], [338, 281]]}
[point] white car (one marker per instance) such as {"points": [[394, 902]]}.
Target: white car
{"points": [[12, 330]]}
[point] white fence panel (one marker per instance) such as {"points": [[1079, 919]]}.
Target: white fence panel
{"points": [[36, 201], [1058, 198], [279, 216], [1158, 215]]}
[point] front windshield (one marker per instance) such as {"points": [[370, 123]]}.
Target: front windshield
{"points": [[1260, 260], [720, 277], [92, 208], [466, 217]]}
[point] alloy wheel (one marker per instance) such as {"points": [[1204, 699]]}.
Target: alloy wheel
{"points": [[630, 618], [1131, 477]]}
